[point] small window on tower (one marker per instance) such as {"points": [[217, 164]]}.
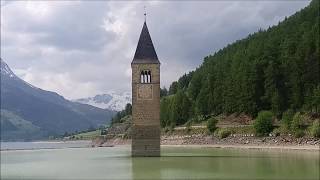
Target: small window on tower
{"points": [[145, 76], [149, 75], [142, 77]]}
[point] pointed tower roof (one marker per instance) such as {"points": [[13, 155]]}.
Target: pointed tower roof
{"points": [[145, 52]]}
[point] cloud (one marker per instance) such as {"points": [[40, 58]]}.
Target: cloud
{"points": [[83, 48]]}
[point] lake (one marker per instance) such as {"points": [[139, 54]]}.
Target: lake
{"points": [[175, 163]]}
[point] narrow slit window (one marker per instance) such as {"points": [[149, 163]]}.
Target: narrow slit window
{"points": [[141, 77], [148, 80], [149, 74], [145, 78]]}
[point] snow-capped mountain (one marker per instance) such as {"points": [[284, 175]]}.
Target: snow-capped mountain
{"points": [[28, 112], [5, 70], [111, 100]]}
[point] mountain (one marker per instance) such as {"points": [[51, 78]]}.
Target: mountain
{"points": [[112, 100], [28, 112], [277, 69]]}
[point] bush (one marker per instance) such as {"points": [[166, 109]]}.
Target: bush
{"points": [[172, 126], [212, 125], [103, 132], [277, 132], [286, 121], [315, 129], [263, 123], [299, 133], [188, 126], [223, 133], [297, 125]]}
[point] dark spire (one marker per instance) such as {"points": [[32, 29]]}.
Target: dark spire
{"points": [[145, 52]]}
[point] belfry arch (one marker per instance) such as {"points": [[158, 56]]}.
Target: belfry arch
{"points": [[145, 76]]}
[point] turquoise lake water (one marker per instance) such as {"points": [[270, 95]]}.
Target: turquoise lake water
{"points": [[175, 163]]}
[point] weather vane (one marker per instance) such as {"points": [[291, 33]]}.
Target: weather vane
{"points": [[145, 13]]}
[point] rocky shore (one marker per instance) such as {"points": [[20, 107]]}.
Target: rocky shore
{"points": [[242, 136], [241, 141], [231, 141]]}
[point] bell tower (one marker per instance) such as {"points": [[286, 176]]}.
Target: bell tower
{"points": [[145, 98]]}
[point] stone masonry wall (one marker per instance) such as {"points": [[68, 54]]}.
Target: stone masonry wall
{"points": [[146, 111]]}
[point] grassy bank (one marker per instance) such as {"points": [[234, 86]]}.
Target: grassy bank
{"points": [[85, 135]]}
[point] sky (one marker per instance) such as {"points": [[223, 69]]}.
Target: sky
{"points": [[83, 48]]}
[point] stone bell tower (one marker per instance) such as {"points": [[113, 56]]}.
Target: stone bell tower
{"points": [[145, 98]]}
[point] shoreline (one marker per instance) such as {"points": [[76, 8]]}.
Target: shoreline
{"points": [[35, 149], [213, 142], [194, 141], [305, 148], [44, 145]]}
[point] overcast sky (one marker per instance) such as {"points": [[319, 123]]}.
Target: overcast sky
{"points": [[83, 48]]}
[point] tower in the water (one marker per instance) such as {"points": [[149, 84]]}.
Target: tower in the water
{"points": [[145, 98]]}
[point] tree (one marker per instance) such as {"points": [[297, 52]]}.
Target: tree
{"points": [[128, 109], [275, 69], [202, 103], [173, 88], [164, 112], [184, 105], [212, 125], [195, 85], [163, 92], [313, 100], [173, 112], [119, 115], [184, 81], [274, 87]]}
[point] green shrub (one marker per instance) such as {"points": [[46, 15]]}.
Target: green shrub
{"points": [[286, 121], [166, 129], [242, 130], [172, 126], [299, 133], [103, 132], [212, 125], [315, 129], [223, 133], [297, 125], [263, 123], [277, 131], [188, 126]]}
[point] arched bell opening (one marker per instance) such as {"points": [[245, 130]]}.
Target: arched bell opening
{"points": [[142, 77], [149, 76], [145, 76]]}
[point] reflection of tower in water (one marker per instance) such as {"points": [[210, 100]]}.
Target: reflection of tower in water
{"points": [[146, 168]]}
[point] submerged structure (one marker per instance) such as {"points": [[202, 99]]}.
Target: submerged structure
{"points": [[145, 98]]}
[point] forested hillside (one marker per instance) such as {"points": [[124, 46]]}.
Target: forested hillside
{"points": [[275, 69]]}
